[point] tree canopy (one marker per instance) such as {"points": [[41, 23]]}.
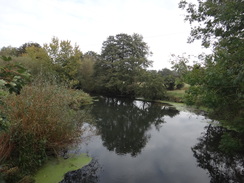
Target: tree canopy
{"points": [[123, 58], [22, 49], [218, 20], [219, 82], [66, 58]]}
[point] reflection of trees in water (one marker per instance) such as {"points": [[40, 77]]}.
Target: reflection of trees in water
{"points": [[222, 167], [123, 123], [88, 174]]}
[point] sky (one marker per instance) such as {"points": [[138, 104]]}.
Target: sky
{"points": [[89, 23]]}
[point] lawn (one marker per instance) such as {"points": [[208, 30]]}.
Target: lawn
{"points": [[177, 95]]}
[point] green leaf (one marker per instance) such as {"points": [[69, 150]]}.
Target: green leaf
{"points": [[2, 82], [6, 58]]}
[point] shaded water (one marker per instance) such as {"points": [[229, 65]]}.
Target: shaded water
{"points": [[141, 142]]}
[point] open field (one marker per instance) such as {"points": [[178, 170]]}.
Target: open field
{"points": [[177, 95]]}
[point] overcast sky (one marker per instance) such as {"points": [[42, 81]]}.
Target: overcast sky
{"points": [[89, 22]]}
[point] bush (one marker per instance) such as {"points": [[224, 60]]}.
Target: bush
{"points": [[13, 76], [231, 144], [42, 120], [193, 96]]}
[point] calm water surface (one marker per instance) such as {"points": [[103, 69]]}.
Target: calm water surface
{"points": [[143, 142]]}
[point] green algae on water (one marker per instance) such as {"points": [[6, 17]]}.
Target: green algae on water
{"points": [[54, 170]]}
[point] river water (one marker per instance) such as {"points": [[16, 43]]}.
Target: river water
{"points": [[144, 142]]}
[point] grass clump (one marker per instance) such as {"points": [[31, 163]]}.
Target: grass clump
{"points": [[40, 121]]}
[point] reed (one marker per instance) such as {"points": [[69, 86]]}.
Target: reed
{"points": [[42, 119]]}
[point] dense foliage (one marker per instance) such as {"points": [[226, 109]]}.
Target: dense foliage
{"points": [[40, 110], [41, 121], [123, 60], [38, 117], [120, 70], [66, 60], [218, 82], [12, 76]]}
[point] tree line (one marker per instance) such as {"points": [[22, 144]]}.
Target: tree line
{"points": [[216, 80], [41, 94], [120, 69]]}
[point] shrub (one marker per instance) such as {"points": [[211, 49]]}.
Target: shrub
{"points": [[42, 120], [12, 76], [231, 143]]}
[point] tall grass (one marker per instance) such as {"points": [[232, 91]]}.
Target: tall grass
{"points": [[41, 120]]}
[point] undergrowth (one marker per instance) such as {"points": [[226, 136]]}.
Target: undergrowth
{"points": [[39, 122]]}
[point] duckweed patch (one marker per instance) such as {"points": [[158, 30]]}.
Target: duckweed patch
{"points": [[54, 170]]}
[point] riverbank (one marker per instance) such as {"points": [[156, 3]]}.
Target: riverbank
{"points": [[120, 130], [176, 99], [180, 106], [38, 125]]}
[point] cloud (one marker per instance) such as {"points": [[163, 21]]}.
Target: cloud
{"points": [[89, 22]]}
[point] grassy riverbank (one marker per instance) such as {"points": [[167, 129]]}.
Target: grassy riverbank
{"points": [[177, 95], [176, 99]]}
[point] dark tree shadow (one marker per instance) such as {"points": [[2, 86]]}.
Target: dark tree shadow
{"points": [[88, 174], [223, 167]]}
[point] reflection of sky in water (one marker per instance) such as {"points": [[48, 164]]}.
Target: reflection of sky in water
{"points": [[166, 157], [140, 104]]}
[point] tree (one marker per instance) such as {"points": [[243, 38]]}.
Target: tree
{"points": [[8, 51], [66, 58], [219, 20], [22, 49], [169, 78], [92, 55], [85, 73], [152, 86], [38, 63], [179, 64], [221, 83], [123, 57], [61, 51], [180, 68], [13, 76]]}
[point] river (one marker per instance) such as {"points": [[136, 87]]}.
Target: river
{"points": [[144, 142]]}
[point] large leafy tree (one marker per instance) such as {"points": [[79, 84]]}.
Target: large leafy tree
{"points": [[123, 58], [38, 62], [218, 83], [66, 58], [152, 85], [8, 51], [22, 49], [85, 73]]}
